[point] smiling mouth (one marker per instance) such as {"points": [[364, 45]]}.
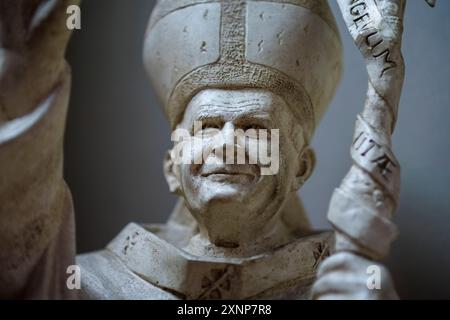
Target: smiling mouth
{"points": [[226, 173], [230, 177], [229, 174]]}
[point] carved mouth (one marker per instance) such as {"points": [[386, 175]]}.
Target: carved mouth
{"points": [[225, 173], [230, 174], [233, 171]]}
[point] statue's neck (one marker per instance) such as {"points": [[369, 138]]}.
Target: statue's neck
{"points": [[200, 245], [291, 225]]}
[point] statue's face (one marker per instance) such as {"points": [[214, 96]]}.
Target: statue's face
{"points": [[234, 203]]}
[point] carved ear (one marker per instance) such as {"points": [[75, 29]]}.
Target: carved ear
{"points": [[307, 162], [172, 175]]}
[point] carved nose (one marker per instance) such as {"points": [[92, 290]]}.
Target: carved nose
{"points": [[225, 146], [228, 134]]}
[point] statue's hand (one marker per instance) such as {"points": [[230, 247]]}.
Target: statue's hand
{"points": [[33, 38], [20, 20], [346, 276]]}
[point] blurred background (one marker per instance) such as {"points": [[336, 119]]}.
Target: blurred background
{"points": [[117, 136]]}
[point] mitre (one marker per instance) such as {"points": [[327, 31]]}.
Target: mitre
{"points": [[289, 47]]}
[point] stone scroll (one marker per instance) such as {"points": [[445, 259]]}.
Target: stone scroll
{"points": [[361, 208]]}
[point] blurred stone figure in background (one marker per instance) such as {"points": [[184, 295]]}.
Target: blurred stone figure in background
{"points": [[235, 233], [36, 214]]}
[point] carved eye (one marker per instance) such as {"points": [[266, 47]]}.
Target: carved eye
{"points": [[206, 126], [254, 126], [208, 129], [254, 131]]}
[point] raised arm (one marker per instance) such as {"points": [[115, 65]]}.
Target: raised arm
{"points": [[362, 208], [35, 205]]}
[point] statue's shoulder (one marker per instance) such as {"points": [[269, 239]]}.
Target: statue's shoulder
{"points": [[105, 276]]}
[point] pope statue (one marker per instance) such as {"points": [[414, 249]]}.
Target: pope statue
{"points": [[237, 232]]}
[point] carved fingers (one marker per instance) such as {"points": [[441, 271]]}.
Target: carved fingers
{"points": [[33, 39], [24, 22], [346, 276]]}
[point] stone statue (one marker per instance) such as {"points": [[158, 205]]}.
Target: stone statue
{"points": [[236, 232]]}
